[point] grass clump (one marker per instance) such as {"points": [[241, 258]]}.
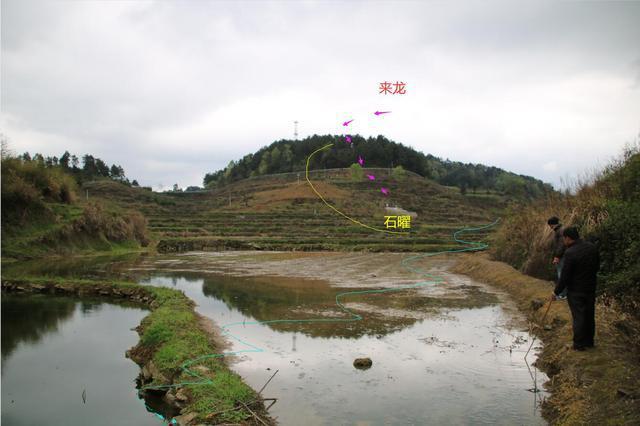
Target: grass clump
{"points": [[605, 208]]}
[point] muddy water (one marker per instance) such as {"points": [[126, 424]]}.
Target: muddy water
{"points": [[451, 354], [54, 349]]}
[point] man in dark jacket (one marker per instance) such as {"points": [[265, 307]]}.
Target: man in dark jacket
{"points": [[558, 249], [579, 272]]}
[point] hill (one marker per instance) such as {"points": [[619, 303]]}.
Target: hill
{"points": [[286, 156], [43, 215], [281, 212]]}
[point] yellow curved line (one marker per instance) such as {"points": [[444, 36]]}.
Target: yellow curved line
{"points": [[335, 209]]}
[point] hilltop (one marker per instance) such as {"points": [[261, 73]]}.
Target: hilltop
{"points": [[286, 156], [98, 209]]}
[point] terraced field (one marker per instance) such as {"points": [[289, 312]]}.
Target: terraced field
{"points": [[281, 212]]}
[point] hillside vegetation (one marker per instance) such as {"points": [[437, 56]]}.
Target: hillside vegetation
{"points": [[281, 212], [291, 155], [263, 212], [42, 214], [606, 210]]}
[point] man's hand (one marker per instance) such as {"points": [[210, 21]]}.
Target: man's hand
{"points": [[553, 297], [556, 260]]}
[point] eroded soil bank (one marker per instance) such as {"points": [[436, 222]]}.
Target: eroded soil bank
{"points": [[598, 386]]}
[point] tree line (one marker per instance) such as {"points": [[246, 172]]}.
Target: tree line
{"points": [[290, 156], [86, 168]]}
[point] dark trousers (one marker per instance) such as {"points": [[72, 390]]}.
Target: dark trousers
{"points": [[584, 322]]}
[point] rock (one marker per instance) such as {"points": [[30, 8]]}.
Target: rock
{"points": [[146, 373], [362, 363], [548, 327], [201, 369], [150, 371], [181, 395], [169, 398], [185, 419]]}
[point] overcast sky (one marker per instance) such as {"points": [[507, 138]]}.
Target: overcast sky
{"points": [[172, 90]]}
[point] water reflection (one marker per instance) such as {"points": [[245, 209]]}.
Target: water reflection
{"points": [[63, 363], [462, 365], [77, 267], [267, 298], [29, 319], [461, 368]]}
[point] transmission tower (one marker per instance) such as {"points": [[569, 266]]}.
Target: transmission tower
{"points": [[295, 130]]}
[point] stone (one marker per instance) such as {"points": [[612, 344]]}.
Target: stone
{"points": [[185, 419], [181, 395], [202, 369], [362, 363], [169, 398]]}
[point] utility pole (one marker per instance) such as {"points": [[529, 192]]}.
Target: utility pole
{"points": [[295, 130]]}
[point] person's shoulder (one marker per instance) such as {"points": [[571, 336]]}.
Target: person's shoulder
{"points": [[571, 250]]}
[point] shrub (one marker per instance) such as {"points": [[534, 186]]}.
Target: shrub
{"points": [[606, 210], [357, 174], [26, 185], [96, 222]]}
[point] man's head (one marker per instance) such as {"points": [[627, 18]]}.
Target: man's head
{"points": [[553, 221], [570, 235]]}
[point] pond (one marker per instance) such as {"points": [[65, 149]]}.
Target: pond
{"points": [[63, 362], [450, 353]]}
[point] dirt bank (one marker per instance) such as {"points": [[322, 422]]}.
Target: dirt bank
{"points": [[598, 386]]}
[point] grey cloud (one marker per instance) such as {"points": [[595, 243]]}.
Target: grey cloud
{"points": [[172, 82]]}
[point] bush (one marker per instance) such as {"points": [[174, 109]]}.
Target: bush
{"points": [[357, 174], [98, 223], [27, 185], [399, 173], [619, 241], [606, 211]]}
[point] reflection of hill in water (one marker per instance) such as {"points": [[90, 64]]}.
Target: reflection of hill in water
{"points": [[273, 298], [29, 318], [106, 266]]}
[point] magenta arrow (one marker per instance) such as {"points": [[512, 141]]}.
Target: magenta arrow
{"points": [[371, 177], [381, 112], [360, 160], [346, 123], [384, 190]]}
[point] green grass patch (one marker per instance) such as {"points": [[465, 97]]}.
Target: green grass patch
{"points": [[172, 335]]}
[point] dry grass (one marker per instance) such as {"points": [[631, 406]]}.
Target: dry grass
{"points": [[598, 386], [302, 190]]}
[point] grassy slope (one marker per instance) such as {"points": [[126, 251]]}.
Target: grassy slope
{"points": [[596, 387], [283, 213], [45, 236]]}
